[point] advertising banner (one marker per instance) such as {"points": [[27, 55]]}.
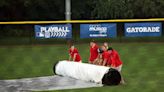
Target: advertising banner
{"points": [[53, 31], [106, 30], [142, 29]]}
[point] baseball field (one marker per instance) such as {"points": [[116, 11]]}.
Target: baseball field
{"points": [[142, 64]]}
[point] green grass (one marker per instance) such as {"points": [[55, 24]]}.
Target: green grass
{"points": [[142, 69], [32, 40]]}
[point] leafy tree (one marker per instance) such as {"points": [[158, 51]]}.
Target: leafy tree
{"points": [[111, 9], [13, 10]]}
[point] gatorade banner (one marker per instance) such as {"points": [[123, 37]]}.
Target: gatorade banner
{"points": [[53, 31], [105, 30], [142, 29]]}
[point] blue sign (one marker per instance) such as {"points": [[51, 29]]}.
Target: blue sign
{"points": [[98, 30], [53, 31], [142, 29]]}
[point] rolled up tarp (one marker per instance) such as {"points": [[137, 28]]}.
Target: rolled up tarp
{"points": [[88, 72]]}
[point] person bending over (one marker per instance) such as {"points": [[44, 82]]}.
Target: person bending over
{"points": [[98, 60], [115, 62], [93, 52], [105, 56], [74, 54]]}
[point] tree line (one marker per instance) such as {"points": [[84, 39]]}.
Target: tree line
{"points": [[20, 10]]}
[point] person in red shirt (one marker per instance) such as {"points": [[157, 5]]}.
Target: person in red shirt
{"points": [[114, 61], [105, 56], [93, 52], [74, 55]]}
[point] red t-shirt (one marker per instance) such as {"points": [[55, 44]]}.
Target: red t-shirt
{"points": [[93, 53], [106, 55], [109, 62], [115, 59], [73, 52]]}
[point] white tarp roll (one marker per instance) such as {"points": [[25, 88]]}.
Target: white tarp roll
{"points": [[82, 71]]}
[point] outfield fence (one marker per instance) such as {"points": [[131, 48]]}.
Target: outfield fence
{"points": [[24, 32]]}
